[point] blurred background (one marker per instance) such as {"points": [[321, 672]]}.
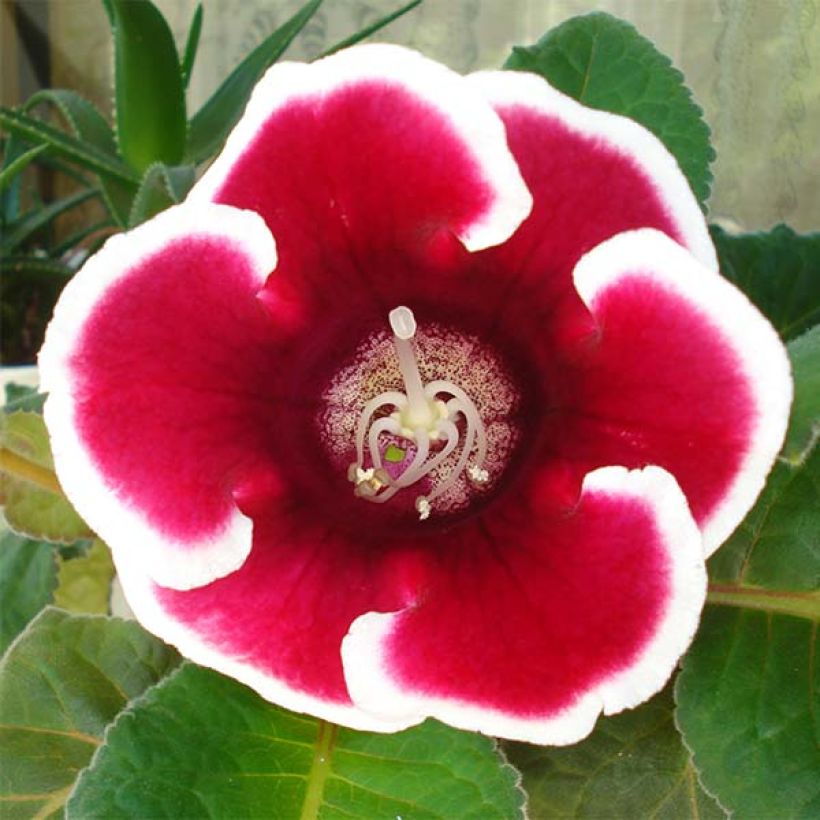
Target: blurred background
{"points": [[753, 65]]}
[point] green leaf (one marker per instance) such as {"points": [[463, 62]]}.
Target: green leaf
{"points": [[23, 397], [10, 171], [28, 575], [605, 63], [748, 699], [160, 188], [37, 219], [779, 270], [633, 765], [775, 553], [804, 425], [60, 143], [149, 95], [200, 744], [61, 683], [371, 29], [191, 45], [84, 583], [34, 504], [211, 124]]}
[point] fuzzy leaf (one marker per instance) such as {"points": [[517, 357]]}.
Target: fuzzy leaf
{"points": [[28, 575], [34, 504], [211, 124], [605, 63], [161, 187], [804, 425], [84, 583], [149, 93], [201, 744], [61, 683], [633, 765], [779, 270]]}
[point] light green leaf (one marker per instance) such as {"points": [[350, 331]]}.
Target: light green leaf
{"points": [[84, 583], [61, 683], [149, 94], [211, 124], [200, 744], [605, 63], [804, 425], [76, 150], [779, 270], [34, 503], [28, 575], [633, 765], [371, 29], [191, 45], [10, 171]]}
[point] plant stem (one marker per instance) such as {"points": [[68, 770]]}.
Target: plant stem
{"points": [[786, 602]]}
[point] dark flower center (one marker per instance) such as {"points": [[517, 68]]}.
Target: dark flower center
{"points": [[427, 414]]}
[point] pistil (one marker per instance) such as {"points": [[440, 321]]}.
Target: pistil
{"points": [[433, 419]]}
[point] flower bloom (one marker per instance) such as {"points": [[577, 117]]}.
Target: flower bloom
{"points": [[429, 401]]}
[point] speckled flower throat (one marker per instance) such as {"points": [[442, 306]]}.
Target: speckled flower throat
{"points": [[421, 413]]}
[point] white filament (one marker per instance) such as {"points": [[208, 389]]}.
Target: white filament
{"points": [[419, 416]]}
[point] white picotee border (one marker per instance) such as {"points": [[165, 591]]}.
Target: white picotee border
{"points": [[469, 115], [375, 689], [510, 89], [138, 589], [652, 255], [99, 498]]}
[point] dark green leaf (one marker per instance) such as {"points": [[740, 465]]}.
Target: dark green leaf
{"points": [[605, 63], [149, 95], [748, 699], [84, 583], [34, 504], [37, 219], [77, 151], [191, 45], [160, 188], [779, 270], [28, 575], [633, 765], [777, 547], [63, 681], [202, 745], [211, 124], [371, 29], [804, 425], [10, 171], [23, 397]]}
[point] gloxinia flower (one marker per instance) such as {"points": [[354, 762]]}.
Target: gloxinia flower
{"points": [[429, 401]]}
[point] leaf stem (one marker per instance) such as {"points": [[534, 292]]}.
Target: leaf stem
{"points": [[319, 770], [20, 467], [785, 602]]}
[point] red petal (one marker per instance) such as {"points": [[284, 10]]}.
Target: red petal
{"points": [[155, 362], [373, 149], [531, 628], [685, 373]]}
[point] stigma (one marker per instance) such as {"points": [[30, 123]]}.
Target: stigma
{"points": [[405, 435]]}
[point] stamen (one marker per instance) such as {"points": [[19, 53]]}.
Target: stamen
{"points": [[422, 414]]}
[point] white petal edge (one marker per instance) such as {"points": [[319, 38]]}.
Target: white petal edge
{"points": [[471, 118], [373, 687], [98, 499], [651, 254], [138, 590], [623, 135]]}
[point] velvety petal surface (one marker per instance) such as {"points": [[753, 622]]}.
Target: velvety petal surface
{"points": [[682, 371], [375, 149], [530, 624], [156, 364]]}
